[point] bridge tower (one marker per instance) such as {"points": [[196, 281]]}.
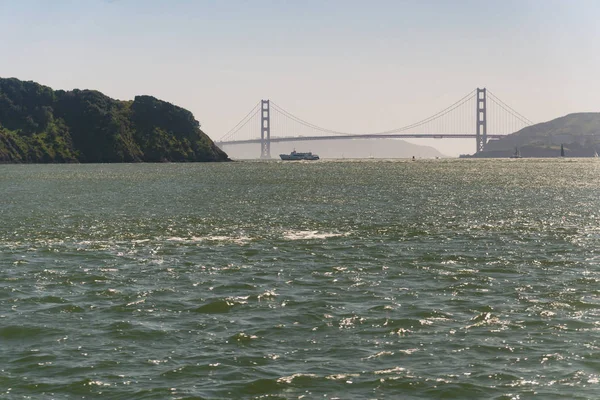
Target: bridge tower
{"points": [[481, 119], [265, 129]]}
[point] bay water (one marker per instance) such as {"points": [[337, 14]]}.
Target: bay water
{"points": [[373, 279]]}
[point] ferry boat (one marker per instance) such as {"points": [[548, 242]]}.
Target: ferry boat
{"points": [[295, 156]]}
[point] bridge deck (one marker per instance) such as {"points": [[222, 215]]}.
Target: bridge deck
{"points": [[365, 136]]}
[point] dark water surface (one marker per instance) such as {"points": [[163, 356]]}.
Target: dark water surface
{"points": [[452, 279]]}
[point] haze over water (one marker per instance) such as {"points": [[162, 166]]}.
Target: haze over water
{"points": [[334, 279]]}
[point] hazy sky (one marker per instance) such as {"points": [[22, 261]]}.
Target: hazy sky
{"points": [[358, 66]]}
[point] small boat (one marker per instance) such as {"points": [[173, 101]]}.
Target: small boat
{"points": [[296, 156], [517, 153], [595, 154]]}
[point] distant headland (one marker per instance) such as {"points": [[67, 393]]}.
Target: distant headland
{"points": [[41, 125], [578, 134]]}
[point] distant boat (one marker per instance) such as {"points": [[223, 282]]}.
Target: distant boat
{"points": [[562, 150], [516, 154], [296, 156], [595, 154]]}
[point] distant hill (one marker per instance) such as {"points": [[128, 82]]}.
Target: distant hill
{"points": [[358, 148], [580, 134], [40, 125]]}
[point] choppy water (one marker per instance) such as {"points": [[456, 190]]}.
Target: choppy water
{"points": [[353, 280]]}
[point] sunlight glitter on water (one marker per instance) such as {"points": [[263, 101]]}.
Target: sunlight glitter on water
{"points": [[476, 282]]}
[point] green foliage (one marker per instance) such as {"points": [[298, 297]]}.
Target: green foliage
{"points": [[38, 124], [167, 132]]}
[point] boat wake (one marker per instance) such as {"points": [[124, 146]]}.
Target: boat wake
{"points": [[309, 235]]}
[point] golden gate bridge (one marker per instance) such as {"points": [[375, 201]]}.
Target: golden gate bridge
{"points": [[479, 115]]}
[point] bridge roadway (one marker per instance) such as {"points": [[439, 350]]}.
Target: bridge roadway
{"points": [[275, 139]]}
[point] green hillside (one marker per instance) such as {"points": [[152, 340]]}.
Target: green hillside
{"points": [[41, 125], [580, 134]]}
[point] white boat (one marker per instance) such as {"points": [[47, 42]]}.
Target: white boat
{"points": [[296, 156]]}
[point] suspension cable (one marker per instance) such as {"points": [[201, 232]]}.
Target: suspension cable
{"points": [[510, 109], [441, 113], [514, 116], [239, 125]]}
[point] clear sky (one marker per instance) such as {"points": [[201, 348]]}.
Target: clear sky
{"points": [[348, 65]]}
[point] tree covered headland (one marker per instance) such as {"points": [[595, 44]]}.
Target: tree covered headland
{"points": [[41, 125]]}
